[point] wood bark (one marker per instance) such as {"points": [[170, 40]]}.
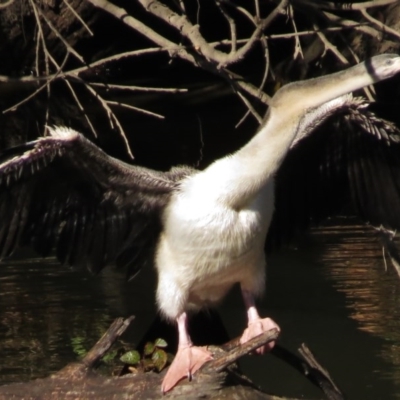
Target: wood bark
{"points": [[218, 379]]}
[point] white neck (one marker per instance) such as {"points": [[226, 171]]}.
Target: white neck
{"points": [[238, 178]]}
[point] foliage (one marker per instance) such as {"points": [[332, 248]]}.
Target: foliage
{"points": [[154, 356]]}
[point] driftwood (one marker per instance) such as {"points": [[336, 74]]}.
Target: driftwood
{"points": [[218, 379]]}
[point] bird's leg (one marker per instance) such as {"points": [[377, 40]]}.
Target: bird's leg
{"points": [[188, 358], [256, 325]]}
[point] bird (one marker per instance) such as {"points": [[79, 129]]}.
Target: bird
{"points": [[204, 230]]}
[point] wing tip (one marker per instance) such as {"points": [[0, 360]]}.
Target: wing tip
{"points": [[63, 133]]}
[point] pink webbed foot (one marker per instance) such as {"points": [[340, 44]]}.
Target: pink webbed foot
{"points": [[186, 362], [257, 327]]}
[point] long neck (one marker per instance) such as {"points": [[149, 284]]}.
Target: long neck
{"points": [[255, 164]]}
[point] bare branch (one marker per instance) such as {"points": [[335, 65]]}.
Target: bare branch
{"points": [[256, 34], [329, 46], [6, 4], [77, 16], [242, 10], [75, 96], [58, 34], [32, 95], [355, 25], [257, 8], [380, 25], [112, 117], [136, 88], [328, 5], [184, 27], [308, 33], [232, 26], [250, 109], [181, 23], [37, 52], [239, 82], [121, 14], [297, 46], [141, 110], [81, 108], [264, 43], [177, 50], [240, 350]]}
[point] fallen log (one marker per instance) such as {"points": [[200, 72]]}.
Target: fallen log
{"points": [[218, 379]]}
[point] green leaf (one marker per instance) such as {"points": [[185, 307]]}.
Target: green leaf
{"points": [[160, 359], [161, 343], [110, 356], [148, 349], [131, 357], [78, 346]]}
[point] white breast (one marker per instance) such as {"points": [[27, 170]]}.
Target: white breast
{"points": [[206, 247]]}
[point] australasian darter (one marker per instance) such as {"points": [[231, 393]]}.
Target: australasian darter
{"points": [[205, 230]]}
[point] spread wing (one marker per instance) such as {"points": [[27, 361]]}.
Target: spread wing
{"points": [[349, 167], [62, 192]]}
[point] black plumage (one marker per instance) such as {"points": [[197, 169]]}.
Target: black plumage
{"points": [[67, 194]]}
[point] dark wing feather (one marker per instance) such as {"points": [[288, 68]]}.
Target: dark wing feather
{"points": [[64, 193], [348, 167]]}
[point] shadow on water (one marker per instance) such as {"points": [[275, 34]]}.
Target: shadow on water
{"points": [[332, 292]]}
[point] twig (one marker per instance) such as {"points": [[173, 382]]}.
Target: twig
{"points": [[118, 57], [245, 12], [352, 24], [297, 45], [266, 58], [118, 327], [321, 374], [74, 95], [232, 26], [328, 5], [136, 88], [86, 68], [329, 46], [183, 25], [141, 110], [250, 109], [240, 350], [307, 366], [308, 33], [264, 43], [58, 34], [389, 246], [81, 108], [78, 17], [185, 28], [6, 4], [54, 77], [257, 9], [256, 34], [180, 51], [138, 26], [308, 370], [111, 117], [380, 25], [37, 52], [82, 368]]}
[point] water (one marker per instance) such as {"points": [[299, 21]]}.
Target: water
{"points": [[331, 292]]}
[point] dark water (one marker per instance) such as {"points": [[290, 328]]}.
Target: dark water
{"points": [[331, 292]]}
